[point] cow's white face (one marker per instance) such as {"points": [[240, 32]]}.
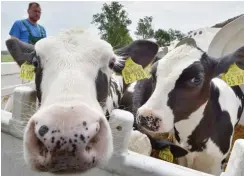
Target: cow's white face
{"points": [[157, 114], [181, 86], [73, 70], [70, 121], [71, 64]]}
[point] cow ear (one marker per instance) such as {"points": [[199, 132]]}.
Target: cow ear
{"points": [[142, 52], [20, 51], [176, 150], [222, 64]]}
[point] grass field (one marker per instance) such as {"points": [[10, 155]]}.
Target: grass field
{"points": [[6, 58]]}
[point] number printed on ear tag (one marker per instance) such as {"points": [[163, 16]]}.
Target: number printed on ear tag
{"points": [[133, 72], [234, 76], [27, 71]]}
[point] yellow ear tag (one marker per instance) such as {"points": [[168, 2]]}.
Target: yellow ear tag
{"points": [[133, 72], [234, 76], [166, 155], [27, 71]]}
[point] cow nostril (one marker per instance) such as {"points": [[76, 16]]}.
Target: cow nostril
{"points": [[43, 130]]}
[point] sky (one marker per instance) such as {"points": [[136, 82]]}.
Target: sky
{"points": [[183, 16]]}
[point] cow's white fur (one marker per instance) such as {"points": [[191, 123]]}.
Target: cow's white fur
{"points": [[168, 71]]}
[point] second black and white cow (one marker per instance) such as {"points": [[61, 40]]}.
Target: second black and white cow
{"points": [[69, 131], [185, 95]]}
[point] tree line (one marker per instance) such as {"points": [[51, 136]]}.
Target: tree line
{"points": [[113, 24]]}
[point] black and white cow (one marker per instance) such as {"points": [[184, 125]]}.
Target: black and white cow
{"points": [[75, 88], [185, 95]]}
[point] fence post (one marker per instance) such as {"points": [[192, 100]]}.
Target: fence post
{"points": [[235, 166], [24, 106], [121, 123]]}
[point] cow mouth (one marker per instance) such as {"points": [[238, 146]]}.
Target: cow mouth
{"points": [[153, 134]]}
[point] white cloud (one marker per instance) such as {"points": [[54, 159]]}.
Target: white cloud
{"points": [[184, 16]]}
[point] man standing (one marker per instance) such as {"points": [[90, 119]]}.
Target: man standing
{"points": [[28, 30]]}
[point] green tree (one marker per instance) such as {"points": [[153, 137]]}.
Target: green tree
{"points": [[176, 34], [162, 37], [144, 28], [112, 24]]}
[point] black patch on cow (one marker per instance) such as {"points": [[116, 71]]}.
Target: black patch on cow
{"points": [[36, 61], [107, 115], [223, 161], [38, 80], [240, 95], [126, 101], [102, 87], [177, 137], [143, 91], [223, 128], [181, 96], [215, 124]]}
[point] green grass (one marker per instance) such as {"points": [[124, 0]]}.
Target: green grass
{"points": [[6, 58]]}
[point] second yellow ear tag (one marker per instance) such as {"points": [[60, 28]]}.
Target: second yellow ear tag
{"points": [[166, 155], [133, 72], [27, 71], [234, 76]]}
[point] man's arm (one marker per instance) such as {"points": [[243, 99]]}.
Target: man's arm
{"points": [[15, 30]]}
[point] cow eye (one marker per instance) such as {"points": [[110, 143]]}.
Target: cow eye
{"points": [[196, 81], [111, 63]]}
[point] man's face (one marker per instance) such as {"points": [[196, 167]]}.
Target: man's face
{"points": [[34, 13]]}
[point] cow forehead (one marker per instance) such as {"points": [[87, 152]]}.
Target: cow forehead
{"points": [[176, 61], [74, 45]]}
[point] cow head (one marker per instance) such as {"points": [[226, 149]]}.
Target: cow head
{"points": [[181, 84], [72, 74]]}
